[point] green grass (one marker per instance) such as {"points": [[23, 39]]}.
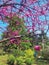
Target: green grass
{"points": [[3, 59]]}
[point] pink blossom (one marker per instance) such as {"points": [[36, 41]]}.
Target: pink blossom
{"points": [[37, 47], [15, 33], [12, 40], [17, 23], [32, 1]]}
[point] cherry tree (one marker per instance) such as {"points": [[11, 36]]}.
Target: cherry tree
{"points": [[35, 14]]}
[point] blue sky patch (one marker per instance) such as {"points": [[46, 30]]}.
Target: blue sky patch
{"points": [[3, 26], [42, 18], [47, 17]]}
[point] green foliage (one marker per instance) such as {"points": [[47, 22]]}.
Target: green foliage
{"points": [[23, 58], [9, 48], [11, 60], [18, 52], [29, 53], [3, 59], [20, 60], [47, 43], [29, 57], [13, 24], [46, 53], [25, 45], [2, 52], [29, 61]]}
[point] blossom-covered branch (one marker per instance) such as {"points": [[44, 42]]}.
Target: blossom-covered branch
{"points": [[5, 39], [11, 4]]}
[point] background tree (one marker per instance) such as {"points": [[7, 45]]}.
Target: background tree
{"points": [[29, 11]]}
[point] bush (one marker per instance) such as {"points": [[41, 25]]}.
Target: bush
{"points": [[20, 60], [29, 57], [23, 58], [29, 61], [11, 60], [29, 53], [18, 52], [2, 52], [45, 53], [25, 45]]}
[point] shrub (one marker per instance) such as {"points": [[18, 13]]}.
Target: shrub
{"points": [[29, 53], [2, 52], [45, 53], [11, 60], [25, 45], [29, 57], [29, 61], [18, 52], [20, 60]]}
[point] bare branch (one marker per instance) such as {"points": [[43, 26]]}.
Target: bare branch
{"points": [[5, 39]]}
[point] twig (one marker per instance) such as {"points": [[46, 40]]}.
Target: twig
{"points": [[2, 5]]}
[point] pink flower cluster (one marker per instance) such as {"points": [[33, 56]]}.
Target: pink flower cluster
{"points": [[15, 40], [29, 10], [37, 47]]}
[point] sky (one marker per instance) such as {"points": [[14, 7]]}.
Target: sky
{"points": [[3, 26]]}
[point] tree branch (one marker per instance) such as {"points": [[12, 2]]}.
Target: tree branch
{"points": [[2, 5], [5, 39]]}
